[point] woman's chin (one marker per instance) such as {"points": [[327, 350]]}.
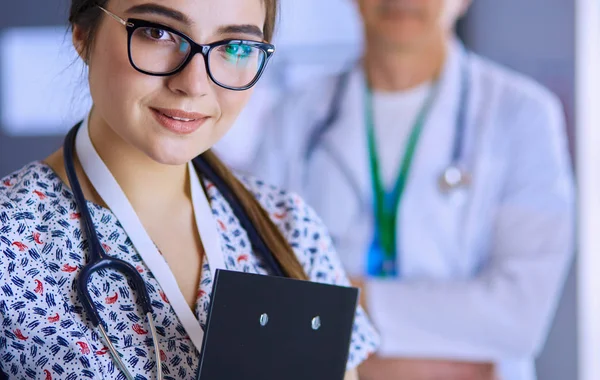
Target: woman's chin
{"points": [[175, 150], [174, 157]]}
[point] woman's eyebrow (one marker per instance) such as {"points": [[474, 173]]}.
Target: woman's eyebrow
{"points": [[150, 8], [242, 29]]}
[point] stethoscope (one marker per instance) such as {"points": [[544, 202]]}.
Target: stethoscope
{"points": [[453, 177], [99, 260]]}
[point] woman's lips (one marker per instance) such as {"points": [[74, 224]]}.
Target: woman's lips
{"points": [[178, 121]]}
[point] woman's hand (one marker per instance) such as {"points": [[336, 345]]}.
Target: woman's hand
{"points": [[358, 282], [351, 375], [376, 368]]}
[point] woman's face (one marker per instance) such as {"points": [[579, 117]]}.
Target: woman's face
{"points": [[174, 118]]}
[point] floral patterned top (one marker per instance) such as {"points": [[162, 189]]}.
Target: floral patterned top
{"points": [[45, 333]]}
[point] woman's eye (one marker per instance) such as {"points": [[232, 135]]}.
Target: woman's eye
{"points": [[157, 34], [238, 51], [233, 49]]}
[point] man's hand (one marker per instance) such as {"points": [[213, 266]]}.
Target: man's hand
{"points": [[376, 368]]}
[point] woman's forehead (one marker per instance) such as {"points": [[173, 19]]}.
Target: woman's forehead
{"points": [[204, 18]]}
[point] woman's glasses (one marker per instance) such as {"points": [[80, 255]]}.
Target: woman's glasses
{"points": [[158, 50]]}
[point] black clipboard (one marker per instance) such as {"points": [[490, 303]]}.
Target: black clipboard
{"points": [[292, 344]]}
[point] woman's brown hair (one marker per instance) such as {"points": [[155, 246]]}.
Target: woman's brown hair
{"points": [[86, 15]]}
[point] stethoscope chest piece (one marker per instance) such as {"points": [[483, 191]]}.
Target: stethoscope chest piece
{"points": [[452, 178]]}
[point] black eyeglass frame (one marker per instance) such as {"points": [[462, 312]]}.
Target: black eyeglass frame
{"points": [[133, 24]]}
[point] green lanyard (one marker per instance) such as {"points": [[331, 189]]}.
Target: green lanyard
{"points": [[382, 257]]}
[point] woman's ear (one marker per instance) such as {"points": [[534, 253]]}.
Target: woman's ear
{"points": [[79, 42]]}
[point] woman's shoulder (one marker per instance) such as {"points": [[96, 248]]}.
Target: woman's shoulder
{"points": [[28, 195], [20, 195], [286, 209], [17, 188], [302, 228]]}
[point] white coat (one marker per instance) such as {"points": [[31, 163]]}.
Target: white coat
{"points": [[483, 267]]}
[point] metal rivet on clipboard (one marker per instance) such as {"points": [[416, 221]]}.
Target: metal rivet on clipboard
{"points": [[316, 323], [264, 319]]}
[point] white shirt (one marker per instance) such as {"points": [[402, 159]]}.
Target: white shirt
{"points": [[395, 114]]}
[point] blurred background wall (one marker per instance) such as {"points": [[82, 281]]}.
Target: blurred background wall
{"points": [[43, 92]]}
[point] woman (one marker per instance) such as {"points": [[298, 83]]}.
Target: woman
{"points": [[157, 105]]}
